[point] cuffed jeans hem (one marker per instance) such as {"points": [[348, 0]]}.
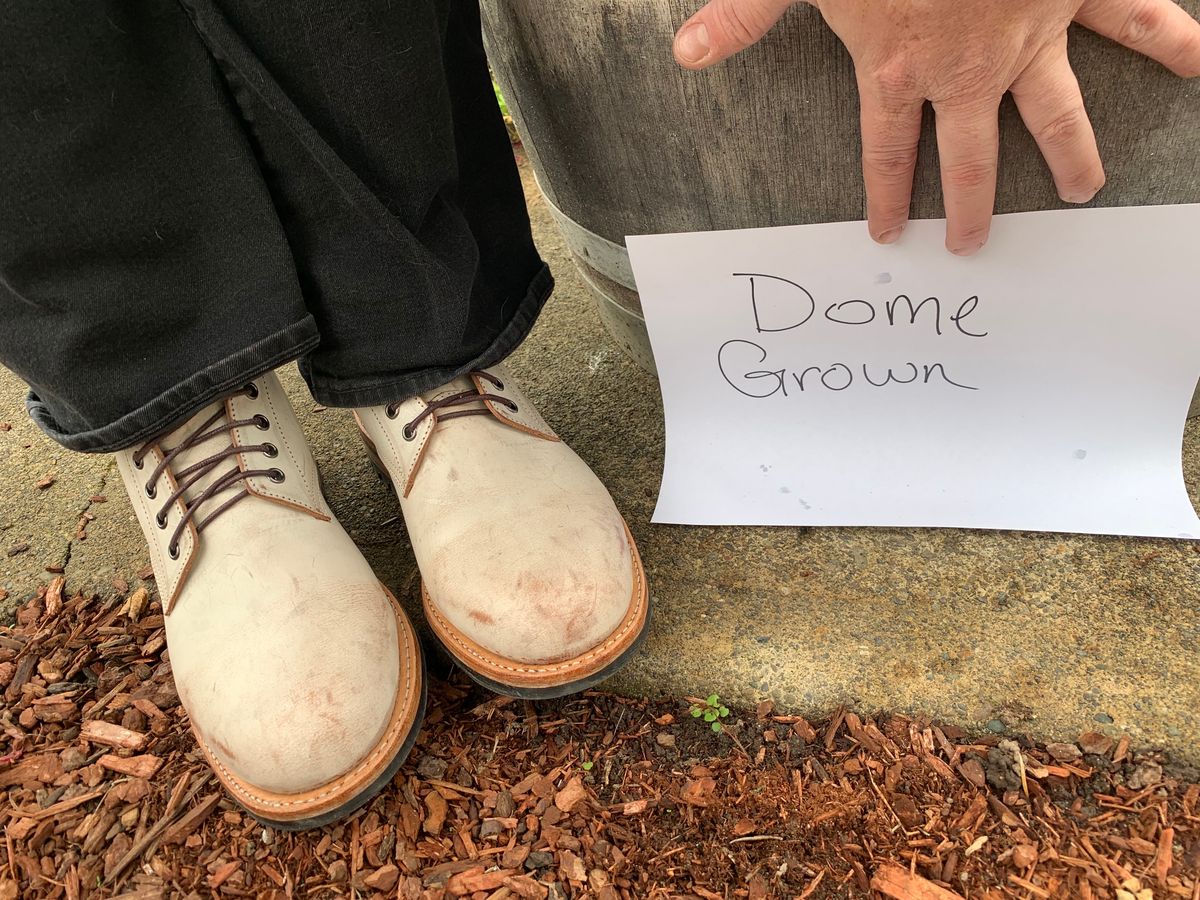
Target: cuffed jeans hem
{"points": [[377, 391], [186, 398]]}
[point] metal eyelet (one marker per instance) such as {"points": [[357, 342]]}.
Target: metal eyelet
{"points": [[139, 463], [499, 385], [270, 451], [251, 390], [161, 520], [261, 422], [173, 551], [409, 433], [276, 475], [151, 491], [514, 408], [392, 411]]}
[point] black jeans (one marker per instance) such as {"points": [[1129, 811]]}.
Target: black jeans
{"points": [[193, 192]]}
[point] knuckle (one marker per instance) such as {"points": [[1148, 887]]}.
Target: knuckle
{"points": [[741, 23], [972, 79], [1144, 21], [969, 100], [887, 214], [890, 163], [976, 72], [895, 80], [1064, 129], [968, 176]]}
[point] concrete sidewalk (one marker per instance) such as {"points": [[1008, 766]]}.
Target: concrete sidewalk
{"points": [[1049, 635]]}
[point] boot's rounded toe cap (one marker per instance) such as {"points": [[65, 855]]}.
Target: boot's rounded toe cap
{"points": [[291, 707], [535, 595]]}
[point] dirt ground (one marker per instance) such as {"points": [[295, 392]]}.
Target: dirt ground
{"points": [[594, 796]]}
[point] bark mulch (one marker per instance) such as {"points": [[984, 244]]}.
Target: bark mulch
{"points": [[597, 796]]}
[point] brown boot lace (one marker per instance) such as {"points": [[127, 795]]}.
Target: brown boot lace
{"points": [[474, 395], [185, 478]]}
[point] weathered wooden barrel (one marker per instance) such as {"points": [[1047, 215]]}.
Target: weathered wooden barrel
{"points": [[623, 141]]}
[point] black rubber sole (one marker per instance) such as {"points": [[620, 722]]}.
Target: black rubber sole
{"points": [[560, 690], [376, 786]]}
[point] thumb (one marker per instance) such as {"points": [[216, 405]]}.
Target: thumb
{"points": [[723, 28]]}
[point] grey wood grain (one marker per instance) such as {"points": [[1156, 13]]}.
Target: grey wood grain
{"points": [[624, 141]]}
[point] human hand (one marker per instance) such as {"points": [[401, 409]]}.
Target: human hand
{"points": [[962, 56]]}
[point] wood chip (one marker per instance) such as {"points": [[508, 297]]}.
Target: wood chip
{"points": [[973, 815], [221, 875], [1024, 855], [20, 829], [972, 771], [435, 804], [804, 730], [44, 767], [571, 867], [63, 806], [100, 732], [570, 795], [1163, 860], [744, 827], [1064, 752], [383, 879], [137, 766], [525, 887], [477, 879], [893, 881], [148, 708], [1096, 743], [192, 820], [136, 604]]}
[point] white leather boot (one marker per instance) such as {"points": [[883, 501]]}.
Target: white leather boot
{"points": [[530, 577], [302, 677]]}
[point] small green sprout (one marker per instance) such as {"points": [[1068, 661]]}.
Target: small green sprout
{"points": [[500, 99], [712, 711], [587, 765]]}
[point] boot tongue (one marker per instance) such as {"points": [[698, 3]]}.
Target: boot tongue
{"points": [[199, 451], [449, 389], [460, 385]]}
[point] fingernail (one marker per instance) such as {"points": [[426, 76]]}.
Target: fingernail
{"points": [[691, 44], [1081, 197], [891, 235], [966, 251]]}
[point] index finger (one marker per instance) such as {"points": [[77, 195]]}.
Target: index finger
{"points": [[1159, 29]]}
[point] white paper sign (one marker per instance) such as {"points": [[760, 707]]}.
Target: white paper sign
{"points": [[813, 377]]}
